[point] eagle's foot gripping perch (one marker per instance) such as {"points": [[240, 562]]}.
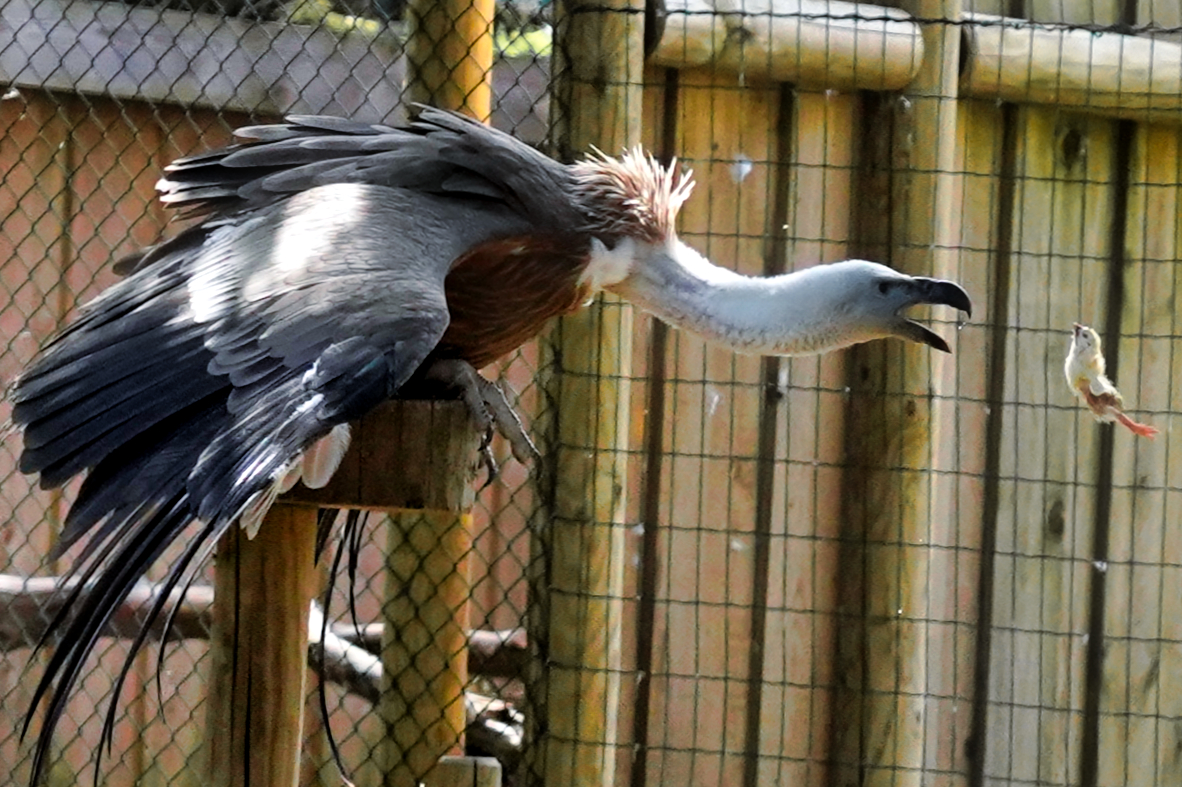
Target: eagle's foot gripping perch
{"points": [[490, 410]]}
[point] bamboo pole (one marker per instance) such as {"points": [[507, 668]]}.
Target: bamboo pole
{"points": [[449, 53], [258, 644], [894, 428], [1105, 72], [818, 44], [578, 622]]}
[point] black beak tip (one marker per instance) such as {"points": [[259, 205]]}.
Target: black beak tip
{"points": [[947, 293]]}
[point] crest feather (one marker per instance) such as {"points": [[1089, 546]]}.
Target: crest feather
{"points": [[633, 195]]}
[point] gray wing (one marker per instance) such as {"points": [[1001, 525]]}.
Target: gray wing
{"points": [[440, 152], [185, 389]]}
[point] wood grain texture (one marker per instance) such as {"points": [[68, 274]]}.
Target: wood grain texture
{"points": [[703, 617], [1143, 664], [449, 51], [1048, 451], [598, 102], [895, 433], [424, 646], [796, 707], [258, 651], [1100, 72], [814, 44]]}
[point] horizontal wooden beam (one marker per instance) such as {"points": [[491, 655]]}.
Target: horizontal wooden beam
{"points": [[1097, 72], [205, 60], [817, 44]]}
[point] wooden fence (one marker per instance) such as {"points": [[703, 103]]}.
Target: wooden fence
{"points": [[878, 567]]}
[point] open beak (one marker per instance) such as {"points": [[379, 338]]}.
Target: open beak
{"points": [[937, 292]]}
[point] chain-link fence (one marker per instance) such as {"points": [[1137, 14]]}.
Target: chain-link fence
{"points": [[883, 565]]}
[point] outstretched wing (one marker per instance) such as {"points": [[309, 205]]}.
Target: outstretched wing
{"points": [[441, 152], [189, 388]]}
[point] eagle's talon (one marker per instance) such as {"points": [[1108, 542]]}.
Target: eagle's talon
{"points": [[490, 411], [492, 470]]}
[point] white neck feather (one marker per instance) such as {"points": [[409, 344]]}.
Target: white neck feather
{"points": [[799, 313]]}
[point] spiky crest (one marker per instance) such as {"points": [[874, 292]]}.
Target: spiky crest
{"points": [[633, 195]]}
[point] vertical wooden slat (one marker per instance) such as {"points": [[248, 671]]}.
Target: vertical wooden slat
{"points": [[895, 434], [1142, 664], [806, 510], [254, 714], [703, 620], [1048, 452], [600, 52], [986, 238]]}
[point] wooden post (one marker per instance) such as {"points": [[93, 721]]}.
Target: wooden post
{"points": [[404, 455], [449, 54], [578, 621], [255, 710], [894, 429]]}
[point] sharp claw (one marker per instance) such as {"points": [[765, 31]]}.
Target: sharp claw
{"points": [[490, 462], [490, 411]]}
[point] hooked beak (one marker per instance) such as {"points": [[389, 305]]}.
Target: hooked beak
{"points": [[937, 292]]}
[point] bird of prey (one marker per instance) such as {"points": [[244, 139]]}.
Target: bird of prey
{"points": [[1085, 372], [339, 264]]}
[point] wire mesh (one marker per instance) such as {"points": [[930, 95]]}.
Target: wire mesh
{"points": [[877, 566]]}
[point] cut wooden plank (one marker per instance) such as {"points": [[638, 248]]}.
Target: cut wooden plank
{"points": [[1048, 451], [811, 43], [702, 630], [204, 60], [254, 713], [1136, 743], [958, 489], [806, 507], [895, 432]]}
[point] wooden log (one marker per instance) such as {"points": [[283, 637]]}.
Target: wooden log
{"points": [[255, 710], [811, 43], [431, 447], [1097, 71], [449, 53], [895, 427], [579, 555], [423, 655], [433, 444]]}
